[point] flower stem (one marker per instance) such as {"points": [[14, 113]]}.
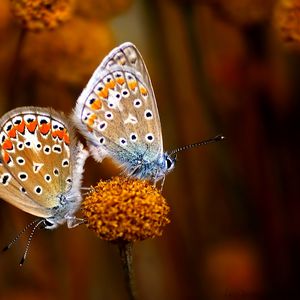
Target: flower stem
{"points": [[125, 250]]}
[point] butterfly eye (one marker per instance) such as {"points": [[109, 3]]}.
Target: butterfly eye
{"points": [[48, 225], [170, 163]]}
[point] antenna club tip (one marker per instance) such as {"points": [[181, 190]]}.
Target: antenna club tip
{"points": [[22, 261], [5, 248], [220, 137]]}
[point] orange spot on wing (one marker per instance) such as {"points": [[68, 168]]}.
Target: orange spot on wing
{"points": [[6, 157], [120, 80], [7, 145], [31, 126], [45, 128], [58, 133], [20, 127], [66, 138], [103, 93], [12, 133], [96, 105], [110, 85], [91, 120], [132, 84], [143, 91]]}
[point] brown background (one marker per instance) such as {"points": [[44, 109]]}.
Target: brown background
{"points": [[217, 67]]}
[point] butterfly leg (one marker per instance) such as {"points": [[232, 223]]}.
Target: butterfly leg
{"points": [[87, 190], [74, 221]]}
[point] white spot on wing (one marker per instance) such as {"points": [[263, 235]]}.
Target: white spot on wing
{"points": [[131, 119]]}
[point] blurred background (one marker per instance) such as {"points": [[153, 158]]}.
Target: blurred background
{"points": [[229, 67]]}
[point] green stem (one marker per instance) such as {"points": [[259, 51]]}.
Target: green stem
{"points": [[125, 250]]}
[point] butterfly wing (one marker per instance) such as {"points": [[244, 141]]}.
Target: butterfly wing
{"points": [[117, 110], [37, 159]]}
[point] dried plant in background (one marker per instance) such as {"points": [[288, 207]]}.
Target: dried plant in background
{"points": [[39, 15], [287, 21]]}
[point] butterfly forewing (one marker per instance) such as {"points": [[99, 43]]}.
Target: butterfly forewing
{"points": [[36, 157], [118, 111]]}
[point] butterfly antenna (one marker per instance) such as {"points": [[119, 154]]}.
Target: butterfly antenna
{"points": [[202, 143], [29, 241], [19, 234]]}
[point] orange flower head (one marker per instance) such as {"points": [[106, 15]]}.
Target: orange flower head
{"points": [[125, 209], [38, 15]]}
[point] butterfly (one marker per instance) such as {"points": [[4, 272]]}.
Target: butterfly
{"points": [[41, 166], [118, 115]]}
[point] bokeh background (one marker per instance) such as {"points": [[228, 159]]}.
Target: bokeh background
{"points": [[217, 66]]}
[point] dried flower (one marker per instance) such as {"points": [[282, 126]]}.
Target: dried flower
{"points": [[42, 14], [125, 209], [286, 20], [244, 13]]}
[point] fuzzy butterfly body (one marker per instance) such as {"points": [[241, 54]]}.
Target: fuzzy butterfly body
{"points": [[117, 113], [41, 165]]}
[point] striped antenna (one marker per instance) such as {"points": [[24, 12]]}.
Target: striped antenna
{"points": [[202, 143]]}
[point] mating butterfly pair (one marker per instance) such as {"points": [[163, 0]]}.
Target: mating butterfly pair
{"points": [[41, 163]]}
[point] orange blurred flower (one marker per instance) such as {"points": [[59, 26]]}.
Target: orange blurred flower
{"points": [[286, 20], [101, 9], [245, 12], [69, 54], [42, 14]]}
